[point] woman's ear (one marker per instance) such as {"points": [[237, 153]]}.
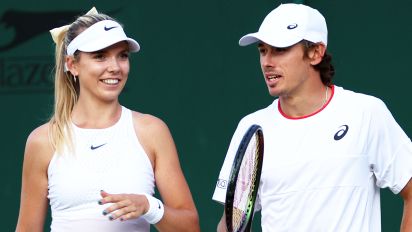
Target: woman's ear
{"points": [[71, 66], [316, 53]]}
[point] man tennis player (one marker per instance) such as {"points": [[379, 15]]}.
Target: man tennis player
{"points": [[328, 150]]}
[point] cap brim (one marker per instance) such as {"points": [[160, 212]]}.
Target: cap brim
{"points": [[279, 42], [248, 39]]}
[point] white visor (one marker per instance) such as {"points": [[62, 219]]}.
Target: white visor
{"points": [[99, 36]]}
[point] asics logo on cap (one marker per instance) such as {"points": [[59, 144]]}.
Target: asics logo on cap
{"points": [[108, 28], [292, 26]]}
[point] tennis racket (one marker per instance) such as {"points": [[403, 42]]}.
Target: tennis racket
{"points": [[244, 181]]}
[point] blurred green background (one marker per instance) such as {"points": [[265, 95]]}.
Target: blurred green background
{"points": [[192, 74]]}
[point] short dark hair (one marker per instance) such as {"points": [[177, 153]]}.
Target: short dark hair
{"points": [[325, 67]]}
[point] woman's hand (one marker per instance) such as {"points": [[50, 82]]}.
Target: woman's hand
{"points": [[124, 206]]}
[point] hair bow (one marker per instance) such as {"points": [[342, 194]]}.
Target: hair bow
{"points": [[56, 32]]}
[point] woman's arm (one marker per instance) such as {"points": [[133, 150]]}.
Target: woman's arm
{"points": [[33, 202], [180, 212]]}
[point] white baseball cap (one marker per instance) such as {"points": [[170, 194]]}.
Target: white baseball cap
{"points": [[101, 35], [287, 25]]}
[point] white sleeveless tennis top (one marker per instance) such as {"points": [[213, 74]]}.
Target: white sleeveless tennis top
{"points": [[110, 159]]}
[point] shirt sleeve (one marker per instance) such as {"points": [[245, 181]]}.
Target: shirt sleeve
{"points": [[219, 194], [391, 150]]}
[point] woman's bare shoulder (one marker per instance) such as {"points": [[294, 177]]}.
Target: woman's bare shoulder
{"points": [[40, 135], [38, 144], [149, 122]]}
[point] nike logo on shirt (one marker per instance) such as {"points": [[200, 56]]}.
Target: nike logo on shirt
{"points": [[95, 147]]}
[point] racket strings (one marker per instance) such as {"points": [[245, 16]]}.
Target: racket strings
{"points": [[245, 184], [237, 218], [244, 181]]}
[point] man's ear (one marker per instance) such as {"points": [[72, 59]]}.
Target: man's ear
{"points": [[316, 53], [71, 66]]}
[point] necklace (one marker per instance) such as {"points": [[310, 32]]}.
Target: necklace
{"points": [[326, 96]]}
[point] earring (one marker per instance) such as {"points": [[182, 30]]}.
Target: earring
{"points": [[74, 77]]}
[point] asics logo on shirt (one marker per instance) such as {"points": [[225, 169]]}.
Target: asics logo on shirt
{"points": [[341, 132], [221, 183], [292, 26], [95, 147]]}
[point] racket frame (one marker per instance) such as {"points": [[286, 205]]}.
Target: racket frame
{"points": [[230, 193]]}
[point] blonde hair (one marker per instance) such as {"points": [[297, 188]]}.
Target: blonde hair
{"points": [[66, 89]]}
